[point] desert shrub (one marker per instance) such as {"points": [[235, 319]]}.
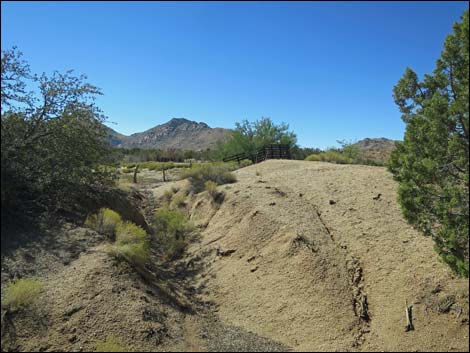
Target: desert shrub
{"points": [[199, 175], [111, 344], [172, 248], [331, 156], [245, 163], [172, 230], [316, 157], [211, 188], [21, 293], [179, 200], [131, 244], [171, 223], [104, 221], [167, 197], [216, 196], [129, 170], [431, 165], [152, 165]]}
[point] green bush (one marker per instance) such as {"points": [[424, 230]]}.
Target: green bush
{"points": [[171, 223], [153, 165], [21, 293], [199, 175], [248, 137], [167, 197], [172, 230], [105, 221], [131, 244], [331, 156], [128, 170], [216, 196], [245, 163], [179, 200], [314, 158], [111, 344], [211, 188]]}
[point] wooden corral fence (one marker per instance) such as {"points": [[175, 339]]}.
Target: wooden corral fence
{"points": [[272, 151]]}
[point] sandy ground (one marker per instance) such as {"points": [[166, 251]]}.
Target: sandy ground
{"points": [[311, 242], [302, 256]]}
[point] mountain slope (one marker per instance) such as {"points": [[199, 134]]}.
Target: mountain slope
{"points": [[376, 149], [178, 133], [114, 138]]}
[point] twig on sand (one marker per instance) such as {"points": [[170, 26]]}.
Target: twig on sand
{"points": [[409, 317]]}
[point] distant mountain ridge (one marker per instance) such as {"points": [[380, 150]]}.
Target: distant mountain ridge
{"points": [[376, 149], [178, 133]]}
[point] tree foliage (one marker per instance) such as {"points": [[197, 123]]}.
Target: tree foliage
{"points": [[52, 138], [250, 136], [432, 163]]}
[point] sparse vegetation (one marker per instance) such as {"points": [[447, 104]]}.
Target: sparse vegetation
{"points": [[244, 163], [432, 163], [349, 153], [172, 231], [179, 200], [167, 197], [111, 344], [331, 155], [104, 221], [21, 293], [132, 244], [211, 188], [217, 173]]}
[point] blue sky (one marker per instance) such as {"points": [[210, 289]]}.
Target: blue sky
{"points": [[325, 68]]}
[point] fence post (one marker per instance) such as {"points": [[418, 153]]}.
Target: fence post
{"points": [[135, 173]]}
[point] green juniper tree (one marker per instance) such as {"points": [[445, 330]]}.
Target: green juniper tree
{"points": [[432, 163]]}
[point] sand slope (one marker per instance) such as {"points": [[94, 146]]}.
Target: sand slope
{"points": [[320, 261]]}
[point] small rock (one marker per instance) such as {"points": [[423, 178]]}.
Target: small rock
{"points": [[272, 204], [221, 252], [332, 202], [254, 269]]}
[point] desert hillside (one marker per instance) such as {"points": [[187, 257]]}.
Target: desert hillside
{"points": [[177, 133], [376, 149], [302, 256]]}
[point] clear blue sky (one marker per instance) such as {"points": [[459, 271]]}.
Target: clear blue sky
{"points": [[325, 68]]}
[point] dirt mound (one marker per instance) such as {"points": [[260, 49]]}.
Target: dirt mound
{"points": [[318, 257], [303, 256]]}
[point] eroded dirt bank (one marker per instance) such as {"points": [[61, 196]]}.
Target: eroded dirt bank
{"points": [[299, 256], [321, 259]]}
